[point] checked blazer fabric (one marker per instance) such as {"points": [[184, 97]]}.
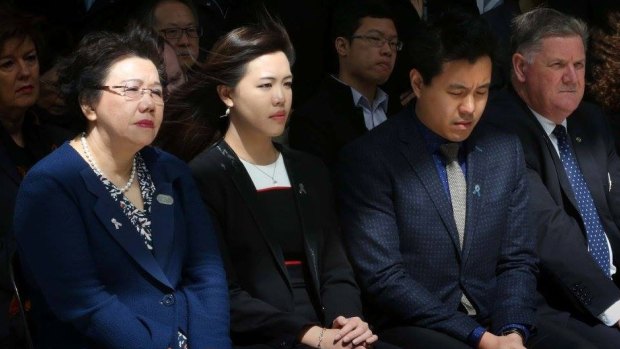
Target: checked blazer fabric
{"points": [[597, 243], [403, 241]]}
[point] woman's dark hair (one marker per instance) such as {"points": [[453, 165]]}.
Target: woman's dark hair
{"points": [[192, 115], [90, 64], [17, 25]]}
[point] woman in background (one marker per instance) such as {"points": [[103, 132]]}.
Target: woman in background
{"points": [[23, 141], [112, 232], [603, 85]]}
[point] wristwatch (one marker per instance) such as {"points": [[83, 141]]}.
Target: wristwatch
{"points": [[517, 331]]}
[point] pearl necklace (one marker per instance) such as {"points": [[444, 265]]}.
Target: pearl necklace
{"points": [[93, 165]]}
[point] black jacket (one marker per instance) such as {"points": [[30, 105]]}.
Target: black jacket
{"points": [[260, 291], [570, 280]]}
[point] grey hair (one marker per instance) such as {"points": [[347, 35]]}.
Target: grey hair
{"points": [[530, 28]]}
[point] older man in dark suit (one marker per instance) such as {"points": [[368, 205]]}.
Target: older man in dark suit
{"points": [[434, 208], [573, 172]]}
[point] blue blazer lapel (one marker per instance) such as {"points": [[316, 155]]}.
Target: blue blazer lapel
{"points": [[162, 221], [243, 182], [413, 148], [477, 169], [122, 230]]}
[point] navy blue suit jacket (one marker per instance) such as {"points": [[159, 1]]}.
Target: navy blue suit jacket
{"points": [[570, 280], [103, 287], [401, 236]]}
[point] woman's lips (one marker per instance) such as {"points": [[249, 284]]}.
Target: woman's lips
{"points": [[25, 89], [279, 116], [145, 123]]}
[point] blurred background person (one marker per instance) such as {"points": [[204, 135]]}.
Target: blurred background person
{"points": [[23, 141], [177, 22], [112, 233], [603, 85], [175, 76]]}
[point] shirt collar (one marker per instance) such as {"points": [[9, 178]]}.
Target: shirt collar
{"points": [[381, 100], [546, 124], [433, 141]]}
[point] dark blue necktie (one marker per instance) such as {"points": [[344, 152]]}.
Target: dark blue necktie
{"points": [[595, 233]]}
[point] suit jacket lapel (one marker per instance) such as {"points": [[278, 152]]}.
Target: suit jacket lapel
{"points": [[413, 148], [557, 163], [162, 217], [296, 174], [477, 168], [122, 230], [590, 170], [244, 184], [341, 101]]}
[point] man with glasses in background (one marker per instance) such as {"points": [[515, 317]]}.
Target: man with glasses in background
{"points": [[177, 22], [350, 103]]}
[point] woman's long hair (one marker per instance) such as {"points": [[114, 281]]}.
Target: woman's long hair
{"points": [[193, 114]]}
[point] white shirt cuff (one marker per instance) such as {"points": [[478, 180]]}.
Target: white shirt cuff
{"points": [[611, 316]]}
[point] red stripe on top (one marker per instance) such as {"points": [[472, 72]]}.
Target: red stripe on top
{"points": [[289, 263], [272, 188]]}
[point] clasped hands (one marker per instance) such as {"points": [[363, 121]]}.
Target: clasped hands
{"points": [[350, 333]]}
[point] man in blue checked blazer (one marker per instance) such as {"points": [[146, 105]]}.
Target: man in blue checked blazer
{"points": [[434, 209]]}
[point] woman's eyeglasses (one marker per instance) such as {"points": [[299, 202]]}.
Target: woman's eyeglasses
{"points": [[133, 92]]}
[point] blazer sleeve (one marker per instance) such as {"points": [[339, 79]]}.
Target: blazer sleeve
{"points": [[204, 279], [613, 173], [250, 317], [49, 229], [563, 254], [340, 295], [371, 237], [516, 268]]}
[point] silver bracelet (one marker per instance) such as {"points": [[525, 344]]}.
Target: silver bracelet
{"points": [[320, 337]]}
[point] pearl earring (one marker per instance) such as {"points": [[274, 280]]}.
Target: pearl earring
{"points": [[225, 115]]}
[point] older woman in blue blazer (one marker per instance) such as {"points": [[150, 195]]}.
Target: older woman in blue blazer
{"points": [[113, 233]]}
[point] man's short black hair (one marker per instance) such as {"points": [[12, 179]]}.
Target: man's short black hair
{"points": [[453, 36], [347, 15]]}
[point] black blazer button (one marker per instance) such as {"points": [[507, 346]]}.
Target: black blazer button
{"points": [[168, 300]]}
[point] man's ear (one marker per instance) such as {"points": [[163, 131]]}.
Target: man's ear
{"points": [[416, 81], [225, 94], [342, 46], [519, 65]]}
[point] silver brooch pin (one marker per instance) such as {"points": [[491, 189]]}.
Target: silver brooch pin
{"points": [[578, 139], [116, 223], [302, 189], [165, 199], [476, 190]]}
